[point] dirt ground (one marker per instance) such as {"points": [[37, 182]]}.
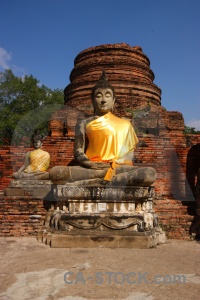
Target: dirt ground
{"points": [[32, 270]]}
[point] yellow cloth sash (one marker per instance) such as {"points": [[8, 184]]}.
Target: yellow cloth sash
{"points": [[39, 161], [112, 170], [110, 138]]}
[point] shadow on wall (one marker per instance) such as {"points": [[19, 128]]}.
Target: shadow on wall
{"points": [[192, 167], [180, 188]]}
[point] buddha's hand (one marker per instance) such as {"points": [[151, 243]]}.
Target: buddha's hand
{"points": [[87, 163], [17, 175], [100, 165], [94, 165]]}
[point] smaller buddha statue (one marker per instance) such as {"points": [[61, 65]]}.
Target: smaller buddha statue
{"points": [[36, 162]]}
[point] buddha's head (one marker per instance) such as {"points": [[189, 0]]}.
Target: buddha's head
{"points": [[103, 96], [37, 141]]}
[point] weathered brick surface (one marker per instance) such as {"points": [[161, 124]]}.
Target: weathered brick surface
{"points": [[170, 155], [21, 216], [128, 69], [175, 217]]}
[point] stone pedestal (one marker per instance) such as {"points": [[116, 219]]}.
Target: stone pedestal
{"points": [[29, 187], [101, 217]]}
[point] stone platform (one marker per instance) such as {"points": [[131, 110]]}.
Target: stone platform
{"points": [[28, 187], [117, 239], [115, 217], [93, 216]]}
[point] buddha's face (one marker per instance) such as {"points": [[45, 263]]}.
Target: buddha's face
{"points": [[37, 144], [103, 101]]}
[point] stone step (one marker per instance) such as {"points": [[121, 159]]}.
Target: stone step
{"points": [[135, 240]]}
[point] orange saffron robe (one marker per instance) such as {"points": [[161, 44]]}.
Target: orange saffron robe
{"points": [[110, 138], [39, 161]]}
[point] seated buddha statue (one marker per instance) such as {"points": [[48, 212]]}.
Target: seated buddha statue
{"points": [[36, 162], [104, 147]]}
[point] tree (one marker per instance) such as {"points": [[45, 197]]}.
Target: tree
{"points": [[25, 106], [191, 130]]}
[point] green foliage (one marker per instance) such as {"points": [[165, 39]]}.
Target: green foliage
{"points": [[190, 130], [25, 107], [130, 111]]}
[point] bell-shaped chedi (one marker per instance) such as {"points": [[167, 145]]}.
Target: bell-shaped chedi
{"points": [[128, 70], [137, 97]]}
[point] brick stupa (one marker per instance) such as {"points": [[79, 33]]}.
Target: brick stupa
{"points": [[128, 70]]}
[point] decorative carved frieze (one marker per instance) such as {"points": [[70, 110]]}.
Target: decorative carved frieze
{"points": [[103, 193]]}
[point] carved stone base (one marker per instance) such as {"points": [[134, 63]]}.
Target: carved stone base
{"points": [[102, 217]]}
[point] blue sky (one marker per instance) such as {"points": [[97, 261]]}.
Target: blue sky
{"points": [[43, 37]]}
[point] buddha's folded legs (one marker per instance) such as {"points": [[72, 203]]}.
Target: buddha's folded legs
{"points": [[32, 175], [65, 174], [125, 175], [137, 176]]}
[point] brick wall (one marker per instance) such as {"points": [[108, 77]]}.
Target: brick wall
{"points": [[24, 216], [174, 157], [21, 216], [175, 217]]}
